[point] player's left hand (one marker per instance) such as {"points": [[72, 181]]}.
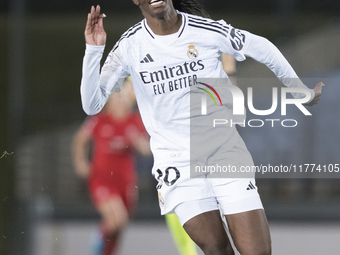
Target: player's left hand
{"points": [[318, 90]]}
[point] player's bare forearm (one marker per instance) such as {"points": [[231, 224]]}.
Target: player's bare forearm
{"points": [[94, 30]]}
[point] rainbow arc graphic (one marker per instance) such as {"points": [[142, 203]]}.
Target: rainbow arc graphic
{"points": [[209, 93]]}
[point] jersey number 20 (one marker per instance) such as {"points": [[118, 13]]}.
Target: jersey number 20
{"points": [[165, 179]]}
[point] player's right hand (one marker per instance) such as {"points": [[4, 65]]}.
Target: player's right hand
{"points": [[94, 30]]}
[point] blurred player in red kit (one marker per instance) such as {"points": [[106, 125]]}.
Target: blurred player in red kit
{"points": [[115, 132]]}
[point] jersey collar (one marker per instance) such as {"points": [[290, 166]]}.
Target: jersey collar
{"points": [[177, 34]]}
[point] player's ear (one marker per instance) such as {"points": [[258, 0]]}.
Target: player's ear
{"points": [[136, 2]]}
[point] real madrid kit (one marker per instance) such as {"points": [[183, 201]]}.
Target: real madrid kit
{"points": [[164, 69]]}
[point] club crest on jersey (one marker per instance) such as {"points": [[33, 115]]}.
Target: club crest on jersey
{"points": [[160, 199], [192, 52]]}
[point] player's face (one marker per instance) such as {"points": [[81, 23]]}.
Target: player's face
{"points": [[155, 8]]}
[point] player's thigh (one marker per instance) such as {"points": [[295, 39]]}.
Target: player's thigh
{"points": [[207, 231], [240, 202], [202, 221], [250, 232]]}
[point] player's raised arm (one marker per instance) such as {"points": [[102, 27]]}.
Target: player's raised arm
{"points": [[94, 30], [92, 97], [96, 84], [263, 51]]}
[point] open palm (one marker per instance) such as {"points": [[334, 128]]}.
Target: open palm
{"points": [[94, 30]]}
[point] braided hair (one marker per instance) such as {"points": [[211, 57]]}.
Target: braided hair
{"points": [[191, 7]]}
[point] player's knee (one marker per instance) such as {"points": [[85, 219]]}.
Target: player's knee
{"points": [[113, 228], [113, 224]]}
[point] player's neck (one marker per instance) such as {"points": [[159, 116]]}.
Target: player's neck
{"points": [[170, 24]]}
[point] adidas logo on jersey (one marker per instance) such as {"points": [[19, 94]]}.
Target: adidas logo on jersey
{"points": [[250, 186], [147, 59]]}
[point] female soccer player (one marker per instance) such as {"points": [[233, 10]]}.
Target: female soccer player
{"points": [[165, 54], [183, 242], [111, 172]]}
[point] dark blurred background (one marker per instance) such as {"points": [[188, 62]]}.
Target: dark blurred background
{"points": [[42, 47]]}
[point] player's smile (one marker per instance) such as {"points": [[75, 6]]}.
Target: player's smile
{"points": [[155, 8], [156, 3]]}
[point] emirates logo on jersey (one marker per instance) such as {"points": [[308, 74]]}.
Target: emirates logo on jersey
{"points": [[192, 52]]}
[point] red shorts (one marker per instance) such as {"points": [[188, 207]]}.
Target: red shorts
{"points": [[102, 190]]}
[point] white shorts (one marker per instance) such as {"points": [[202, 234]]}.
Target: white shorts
{"points": [[244, 198], [176, 187]]}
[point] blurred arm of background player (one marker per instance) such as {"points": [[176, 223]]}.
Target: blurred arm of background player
{"points": [[81, 149]]}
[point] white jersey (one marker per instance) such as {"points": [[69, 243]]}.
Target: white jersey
{"points": [[165, 68]]}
